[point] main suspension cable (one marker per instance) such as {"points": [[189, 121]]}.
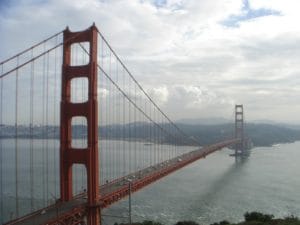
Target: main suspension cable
{"points": [[130, 100], [31, 48], [142, 89], [36, 57]]}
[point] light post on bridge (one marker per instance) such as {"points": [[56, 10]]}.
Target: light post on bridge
{"points": [[129, 200]]}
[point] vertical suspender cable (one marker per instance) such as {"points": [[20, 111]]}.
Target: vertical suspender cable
{"points": [[54, 122], [47, 130], [143, 127], [145, 137], [150, 148], [101, 117], [105, 147], [112, 123], [158, 139], [150, 136], [160, 155], [171, 141], [135, 129], [16, 140], [155, 138], [114, 116], [74, 140], [168, 140], [83, 138], [107, 117], [118, 118], [1, 148], [124, 118], [31, 133], [111, 113], [140, 135], [43, 128], [117, 165], [129, 122], [109, 144]]}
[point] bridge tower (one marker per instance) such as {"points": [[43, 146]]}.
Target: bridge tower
{"points": [[239, 130], [86, 156]]}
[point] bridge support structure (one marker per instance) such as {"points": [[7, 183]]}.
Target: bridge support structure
{"points": [[86, 156], [239, 130]]}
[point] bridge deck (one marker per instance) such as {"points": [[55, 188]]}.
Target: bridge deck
{"points": [[116, 190]]}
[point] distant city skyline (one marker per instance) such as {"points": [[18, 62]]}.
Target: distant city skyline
{"points": [[196, 59]]}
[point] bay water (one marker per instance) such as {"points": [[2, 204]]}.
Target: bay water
{"points": [[219, 188], [210, 190]]}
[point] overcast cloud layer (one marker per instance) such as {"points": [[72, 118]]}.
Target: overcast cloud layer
{"points": [[197, 58]]}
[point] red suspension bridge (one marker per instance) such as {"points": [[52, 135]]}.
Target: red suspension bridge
{"points": [[64, 158]]}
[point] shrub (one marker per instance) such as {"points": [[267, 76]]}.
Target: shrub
{"points": [[186, 223], [223, 222], [291, 219], [149, 222], [256, 216]]}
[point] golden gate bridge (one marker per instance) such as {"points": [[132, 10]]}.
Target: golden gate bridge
{"points": [[76, 82]]}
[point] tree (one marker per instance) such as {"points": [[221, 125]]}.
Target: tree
{"points": [[186, 223], [256, 216]]}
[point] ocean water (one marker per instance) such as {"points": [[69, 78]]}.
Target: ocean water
{"points": [[209, 190], [219, 188], [26, 187]]}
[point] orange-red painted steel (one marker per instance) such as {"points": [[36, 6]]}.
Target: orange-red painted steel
{"points": [[239, 129], [89, 109]]}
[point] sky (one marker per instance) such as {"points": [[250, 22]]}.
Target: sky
{"points": [[197, 58]]}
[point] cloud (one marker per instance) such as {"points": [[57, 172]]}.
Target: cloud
{"points": [[159, 94], [181, 50], [191, 101]]}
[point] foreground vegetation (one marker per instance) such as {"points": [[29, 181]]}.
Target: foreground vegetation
{"points": [[253, 218]]}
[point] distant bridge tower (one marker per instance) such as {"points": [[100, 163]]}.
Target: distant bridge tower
{"points": [[70, 155], [239, 130]]}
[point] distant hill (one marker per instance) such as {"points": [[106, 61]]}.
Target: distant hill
{"points": [[204, 121], [294, 126], [261, 134], [267, 134]]}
